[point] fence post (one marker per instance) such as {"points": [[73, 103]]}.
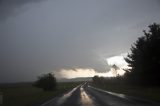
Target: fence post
{"points": [[1, 98]]}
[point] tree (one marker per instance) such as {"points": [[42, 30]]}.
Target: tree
{"points": [[115, 68], [99, 81], [47, 82], [95, 79], [144, 58]]}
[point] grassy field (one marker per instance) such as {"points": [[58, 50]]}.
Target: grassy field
{"points": [[24, 94], [150, 93]]}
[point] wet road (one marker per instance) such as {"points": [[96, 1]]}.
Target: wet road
{"points": [[84, 95]]}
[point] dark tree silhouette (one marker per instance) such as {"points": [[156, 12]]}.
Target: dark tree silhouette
{"points": [[115, 67], [145, 58], [95, 79], [47, 82]]}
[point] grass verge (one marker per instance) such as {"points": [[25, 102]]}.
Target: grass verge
{"points": [[24, 94]]}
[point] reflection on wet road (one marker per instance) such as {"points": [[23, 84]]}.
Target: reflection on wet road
{"points": [[84, 95], [85, 99]]}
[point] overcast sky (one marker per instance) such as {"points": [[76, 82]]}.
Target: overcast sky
{"points": [[40, 36]]}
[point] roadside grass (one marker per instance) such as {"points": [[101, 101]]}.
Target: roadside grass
{"points": [[149, 93], [24, 94]]}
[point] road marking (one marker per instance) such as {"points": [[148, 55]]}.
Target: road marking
{"points": [[60, 99], [129, 98], [112, 93], [65, 96]]}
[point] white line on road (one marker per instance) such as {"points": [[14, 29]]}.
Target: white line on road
{"points": [[65, 96], [60, 99]]}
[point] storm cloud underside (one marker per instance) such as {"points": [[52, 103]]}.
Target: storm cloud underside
{"points": [[40, 36]]}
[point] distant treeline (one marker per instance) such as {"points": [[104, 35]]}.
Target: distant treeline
{"points": [[144, 61]]}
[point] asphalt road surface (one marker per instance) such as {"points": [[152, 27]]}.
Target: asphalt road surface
{"points": [[85, 95]]}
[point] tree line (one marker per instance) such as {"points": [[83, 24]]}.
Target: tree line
{"points": [[144, 61]]}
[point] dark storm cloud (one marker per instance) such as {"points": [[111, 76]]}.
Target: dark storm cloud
{"points": [[9, 8], [54, 35]]}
